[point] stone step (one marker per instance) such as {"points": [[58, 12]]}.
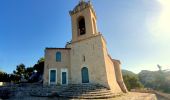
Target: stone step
{"points": [[74, 89], [100, 92], [91, 97], [87, 91], [103, 93], [92, 91], [85, 86], [88, 95]]}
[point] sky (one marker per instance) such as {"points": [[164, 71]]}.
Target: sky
{"points": [[137, 31]]}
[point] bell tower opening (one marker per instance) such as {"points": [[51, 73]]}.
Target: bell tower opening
{"points": [[83, 19], [81, 26]]}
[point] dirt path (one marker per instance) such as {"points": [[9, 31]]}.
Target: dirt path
{"points": [[136, 96], [161, 98]]}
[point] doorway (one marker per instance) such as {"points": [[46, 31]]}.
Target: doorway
{"points": [[85, 75]]}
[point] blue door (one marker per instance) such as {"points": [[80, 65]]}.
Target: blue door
{"points": [[52, 76], [85, 75], [64, 78]]}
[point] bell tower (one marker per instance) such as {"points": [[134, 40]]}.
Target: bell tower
{"points": [[83, 19]]}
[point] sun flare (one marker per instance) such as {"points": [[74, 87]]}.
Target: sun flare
{"points": [[161, 25]]}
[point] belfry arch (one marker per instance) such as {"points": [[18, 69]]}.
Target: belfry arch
{"points": [[81, 26]]}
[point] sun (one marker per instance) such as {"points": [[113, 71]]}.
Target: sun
{"points": [[165, 3], [161, 25]]}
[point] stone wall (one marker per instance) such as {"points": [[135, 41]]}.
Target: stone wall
{"points": [[91, 48], [119, 77], [110, 71], [50, 62]]}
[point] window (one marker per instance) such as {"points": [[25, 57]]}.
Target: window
{"points": [[84, 58], [81, 26], [58, 56]]}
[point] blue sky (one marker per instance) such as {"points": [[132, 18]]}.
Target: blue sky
{"points": [[133, 30]]}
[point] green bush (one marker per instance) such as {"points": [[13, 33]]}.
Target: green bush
{"points": [[132, 82]]}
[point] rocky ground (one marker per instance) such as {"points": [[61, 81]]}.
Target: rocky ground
{"points": [[23, 93], [129, 96]]}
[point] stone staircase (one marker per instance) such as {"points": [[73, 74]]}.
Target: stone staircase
{"points": [[87, 91], [51, 91]]}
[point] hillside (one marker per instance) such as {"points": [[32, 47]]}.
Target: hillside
{"points": [[157, 80], [126, 72]]}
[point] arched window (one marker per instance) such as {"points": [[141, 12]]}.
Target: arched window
{"points": [[81, 26], [58, 56]]}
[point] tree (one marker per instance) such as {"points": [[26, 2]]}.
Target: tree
{"points": [[132, 82], [1, 72], [20, 71], [28, 72], [4, 77], [159, 67], [14, 78], [39, 67], [41, 60]]}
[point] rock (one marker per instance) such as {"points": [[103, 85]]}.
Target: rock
{"points": [[4, 93]]}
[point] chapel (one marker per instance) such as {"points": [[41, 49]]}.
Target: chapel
{"points": [[85, 59]]}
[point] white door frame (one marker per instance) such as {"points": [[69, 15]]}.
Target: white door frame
{"points": [[49, 76], [64, 70]]}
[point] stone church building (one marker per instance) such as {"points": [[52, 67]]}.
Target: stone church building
{"points": [[85, 59]]}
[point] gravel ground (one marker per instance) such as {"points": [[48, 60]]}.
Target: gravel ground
{"points": [[136, 96], [129, 96], [23, 94]]}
